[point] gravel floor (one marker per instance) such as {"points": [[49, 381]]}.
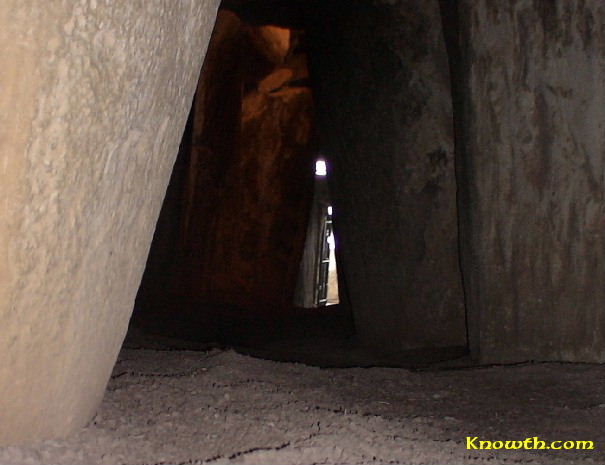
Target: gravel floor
{"points": [[218, 407]]}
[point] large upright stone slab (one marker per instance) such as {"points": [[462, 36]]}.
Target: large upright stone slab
{"points": [[535, 142], [227, 250], [386, 126], [94, 97]]}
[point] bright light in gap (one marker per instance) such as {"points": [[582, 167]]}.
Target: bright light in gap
{"points": [[330, 211], [320, 168]]}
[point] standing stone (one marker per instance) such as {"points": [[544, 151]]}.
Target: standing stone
{"points": [[94, 99], [229, 245], [386, 124], [535, 141]]}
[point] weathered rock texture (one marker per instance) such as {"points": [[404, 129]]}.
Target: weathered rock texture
{"points": [[535, 145], [386, 129], [236, 214], [94, 100], [222, 408]]}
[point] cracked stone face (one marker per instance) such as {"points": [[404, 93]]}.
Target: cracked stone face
{"points": [[94, 100]]}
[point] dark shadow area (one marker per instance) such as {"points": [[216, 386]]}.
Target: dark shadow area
{"points": [[226, 255], [284, 84]]}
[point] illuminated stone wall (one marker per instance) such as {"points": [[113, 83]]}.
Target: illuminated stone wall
{"points": [[94, 99], [231, 234]]}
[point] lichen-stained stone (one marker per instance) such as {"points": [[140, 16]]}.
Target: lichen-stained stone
{"points": [[385, 116], [93, 101], [535, 141]]}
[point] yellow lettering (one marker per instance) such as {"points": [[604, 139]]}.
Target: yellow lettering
{"points": [[526, 443], [529, 443], [539, 444], [584, 444], [513, 445]]}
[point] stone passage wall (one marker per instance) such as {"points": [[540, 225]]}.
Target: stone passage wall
{"points": [[535, 144], [385, 115], [94, 100], [231, 235]]}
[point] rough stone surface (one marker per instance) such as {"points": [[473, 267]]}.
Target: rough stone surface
{"points": [[535, 142], [385, 116], [177, 407], [94, 99], [232, 232]]}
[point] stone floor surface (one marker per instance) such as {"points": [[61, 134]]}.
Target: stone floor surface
{"points": [[220, 407]]}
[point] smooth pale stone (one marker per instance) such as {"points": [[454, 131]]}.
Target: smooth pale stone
{"points": [[94, 100]]}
